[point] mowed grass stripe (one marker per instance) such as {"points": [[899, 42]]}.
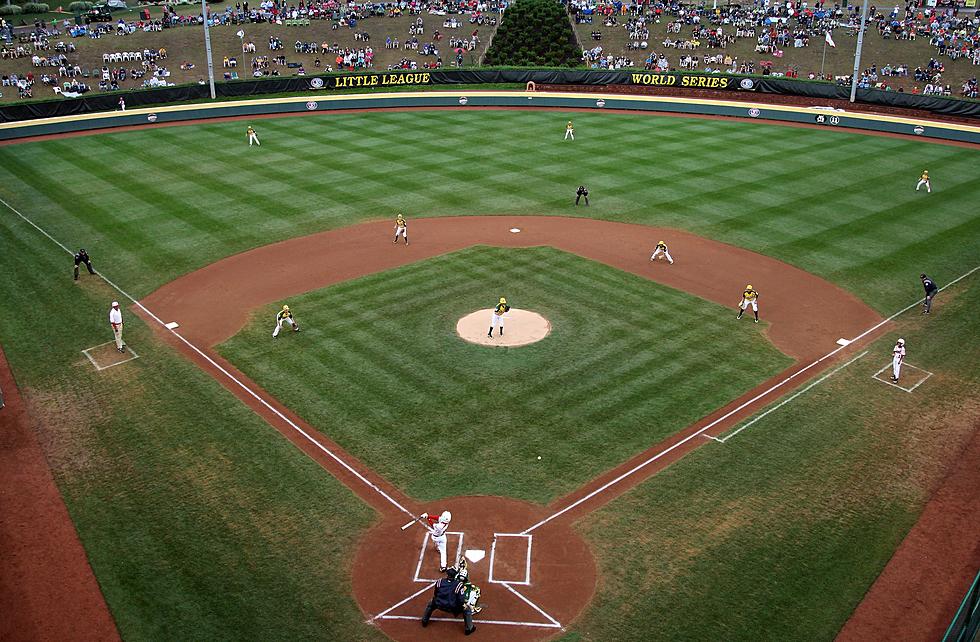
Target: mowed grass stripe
{"points": [[400, 388]]}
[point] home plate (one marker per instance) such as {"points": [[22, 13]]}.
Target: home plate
{"points": [[515, 230], [173, 325], [474, 554]]}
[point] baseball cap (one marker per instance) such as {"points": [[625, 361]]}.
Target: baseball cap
{"points": [[115, 304]]}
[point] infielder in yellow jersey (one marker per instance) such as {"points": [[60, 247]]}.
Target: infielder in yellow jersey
{"points": [[569, 131], [749, 297], [497, 318], [284, 316], [924, 180], [661, 249], [401, 228]]}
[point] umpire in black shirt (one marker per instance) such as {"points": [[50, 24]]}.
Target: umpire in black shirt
{"points": [[931, 291], [582, 192], [81, 256]]}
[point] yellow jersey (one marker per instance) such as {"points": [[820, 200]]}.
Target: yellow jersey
{"points": [[284, 314], [750, 295], [501, 309], [924, 177]]}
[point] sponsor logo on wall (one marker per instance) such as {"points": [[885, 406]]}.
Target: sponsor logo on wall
{"points": [[151, 117], [754, 112], [312, 105], [316, 83]]}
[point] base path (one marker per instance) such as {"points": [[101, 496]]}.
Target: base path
{"points": [[806, 313], [543, 573], [47, 588]]}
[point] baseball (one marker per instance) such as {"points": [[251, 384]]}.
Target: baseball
{"points": [[539, 456]]}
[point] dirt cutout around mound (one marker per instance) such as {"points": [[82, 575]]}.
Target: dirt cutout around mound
{"points": [[523, 327]]}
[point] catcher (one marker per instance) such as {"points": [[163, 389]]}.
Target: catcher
{"points": [[284, 316], [457, 595], [497, 318]]}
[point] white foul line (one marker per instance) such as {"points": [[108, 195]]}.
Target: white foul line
{"points": [[449, 619], [789, 399], [534, 606], [741, 407], [232, 377]]}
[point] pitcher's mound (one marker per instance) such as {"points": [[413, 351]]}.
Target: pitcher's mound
{"points": [[521, 327]]}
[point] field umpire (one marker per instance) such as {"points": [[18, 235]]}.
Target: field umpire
{"points": [[931, 291], [81, 256], [582, 192]]}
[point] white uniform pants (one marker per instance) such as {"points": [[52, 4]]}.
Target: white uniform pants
{"points": [[496, 320], [292, 324], [402, 231], [657, 252], [439, 541], [896, 367], [252, 137], [117, 335], [755, 306], [921, 183], [569, 133]]}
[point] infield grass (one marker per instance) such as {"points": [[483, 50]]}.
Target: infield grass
{"points": [[379, 368], [792, 519], [158, 203]]}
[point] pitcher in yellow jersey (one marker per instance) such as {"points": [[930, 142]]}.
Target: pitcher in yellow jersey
{"points": [[497, 318], [401, 228], [749, 297]]}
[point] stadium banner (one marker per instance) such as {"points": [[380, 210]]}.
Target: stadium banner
{"points": [[382, 81]]}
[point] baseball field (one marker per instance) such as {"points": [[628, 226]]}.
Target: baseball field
{"points": [[666, 471]]}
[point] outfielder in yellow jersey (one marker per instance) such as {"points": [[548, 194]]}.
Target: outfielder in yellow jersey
{"points": [[401, 228], [252, 137], [284, 316], [749, 297], [924, 180], [569, 131], [497, 318]]}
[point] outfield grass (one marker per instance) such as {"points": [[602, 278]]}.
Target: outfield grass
{"points": [[379, 368], [200, 521], [154, 204], [792, 519]]}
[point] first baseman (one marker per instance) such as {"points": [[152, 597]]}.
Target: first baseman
{"points": [[661, 249], [497, 318], [924, 180], [252, 137], [437, 533], [284, 316], [931, 290], [749, 297], [569, 131], [898, 356], [115, 320], [401, 228]]}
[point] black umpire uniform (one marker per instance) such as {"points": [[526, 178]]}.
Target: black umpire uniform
{"points": [[448, 596], [81, 256], [931, 290], [582, 192]]}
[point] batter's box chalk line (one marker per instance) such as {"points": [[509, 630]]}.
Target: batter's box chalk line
{"points": [[450, 559], [527, 564], [130, 352], [922, 377], [550, 623]]}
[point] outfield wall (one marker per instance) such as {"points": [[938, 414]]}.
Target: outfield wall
{"points": [[605, 102]]}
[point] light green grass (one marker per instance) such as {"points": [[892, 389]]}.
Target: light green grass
{"points": [[778, 533], [155, 204], [379, 368], [199, 520]]}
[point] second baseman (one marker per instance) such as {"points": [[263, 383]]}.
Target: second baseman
{"points": [[749, 297], [661, 249]]}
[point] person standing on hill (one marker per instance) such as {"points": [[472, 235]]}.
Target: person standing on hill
{"points": [[497, 318]]}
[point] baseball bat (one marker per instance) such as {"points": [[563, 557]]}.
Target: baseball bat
{"points": [[405, 527]]}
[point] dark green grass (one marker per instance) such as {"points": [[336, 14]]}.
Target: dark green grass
{"points": [[199, 520], [152, 205], [379, 368], [793, 519]]}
